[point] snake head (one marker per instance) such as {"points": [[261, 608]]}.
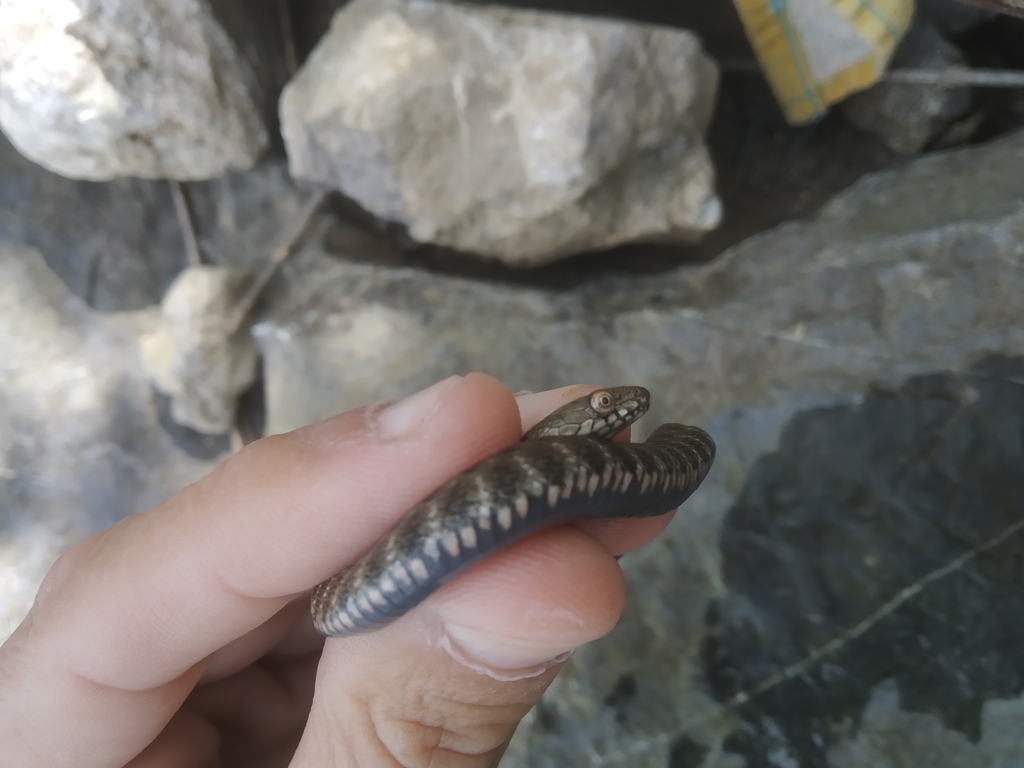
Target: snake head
{"points": [[603, 413]]}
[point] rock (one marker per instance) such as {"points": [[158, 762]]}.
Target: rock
{"points": [[381, 333], [81, 439], [97, 89], [775, 348], [906, 116], [202, 355], [858, 503], [118, 246], [882, 739], [517, 135]]}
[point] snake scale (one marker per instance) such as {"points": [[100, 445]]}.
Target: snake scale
{"points": [[565, 468]]}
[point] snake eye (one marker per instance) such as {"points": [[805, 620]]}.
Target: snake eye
{"points": [[602, 401]]}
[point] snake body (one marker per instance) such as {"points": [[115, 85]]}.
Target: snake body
{"points": [[565, 468]]}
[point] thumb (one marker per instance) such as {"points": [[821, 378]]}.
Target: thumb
{"points": [[448, 685]]}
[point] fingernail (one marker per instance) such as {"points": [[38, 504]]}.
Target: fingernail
{"points": [[496, 652], [404, 416]]}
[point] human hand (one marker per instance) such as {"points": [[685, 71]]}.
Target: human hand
{"points": [[181, 636]]}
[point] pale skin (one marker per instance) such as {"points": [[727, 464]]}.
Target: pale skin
{"points": [[181, 636]]}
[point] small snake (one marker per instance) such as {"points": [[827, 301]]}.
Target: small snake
{"points": [[567, 467]]}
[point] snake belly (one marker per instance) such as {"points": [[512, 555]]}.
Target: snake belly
{"points": [[503, 499]]}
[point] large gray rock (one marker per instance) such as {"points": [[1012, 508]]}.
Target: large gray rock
{"points": [[96, 89], [881, 280], [775, 348], [859, 505], [518, 135]]}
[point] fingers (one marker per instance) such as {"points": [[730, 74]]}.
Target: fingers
{"points": [[273, 521], [448, 683], [448, 686], [186, 740], [287, 625], [124, 623], [129, 620]]}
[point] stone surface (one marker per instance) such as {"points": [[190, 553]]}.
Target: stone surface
{"points": [[910, 272], [97, 89], [118, 245], [81, 440], [512, 134], [201, 355], [858, 503], [904, 116]]}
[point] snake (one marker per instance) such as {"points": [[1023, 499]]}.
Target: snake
{"points": [[565, 468]]}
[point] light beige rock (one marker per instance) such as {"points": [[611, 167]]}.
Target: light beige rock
{"points": [[198, 357], [97, 89], [518, 135]]}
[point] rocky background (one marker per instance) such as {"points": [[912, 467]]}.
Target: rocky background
{"points": [[221, 219]]}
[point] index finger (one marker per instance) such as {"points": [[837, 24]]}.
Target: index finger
{"points": [[123, 623]]}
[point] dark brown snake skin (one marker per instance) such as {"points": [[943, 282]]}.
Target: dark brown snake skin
{"points": [[565, 468]]}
